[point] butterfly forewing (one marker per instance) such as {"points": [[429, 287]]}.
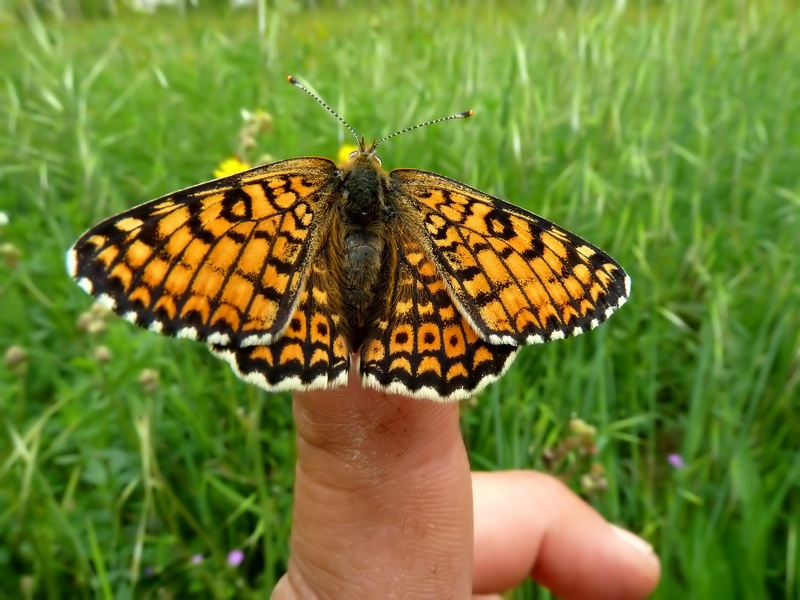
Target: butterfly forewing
{"points": [[518, 278], [222, 262]]}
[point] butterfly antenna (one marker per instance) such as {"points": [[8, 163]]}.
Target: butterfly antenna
{"points": [[461, 115], [297, 84]]}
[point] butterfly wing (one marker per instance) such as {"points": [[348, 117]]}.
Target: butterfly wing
{"points": [[518, 278], [311, 354], [421, 345], [222, 262]]}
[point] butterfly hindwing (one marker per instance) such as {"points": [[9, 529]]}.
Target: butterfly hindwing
{"points": [[311, 353], [421, 345], [518, 278], [222, 262]]}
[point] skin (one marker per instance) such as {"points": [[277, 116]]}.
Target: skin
{"points": [[386, 507]]}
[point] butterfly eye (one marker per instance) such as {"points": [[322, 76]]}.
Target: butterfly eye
{"points": [[377, 158], [353, 154]]}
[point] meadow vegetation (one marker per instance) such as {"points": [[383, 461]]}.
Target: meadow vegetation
{"points": [[667, 133]]}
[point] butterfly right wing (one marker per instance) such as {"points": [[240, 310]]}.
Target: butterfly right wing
{"points": [[517, 277], [222, 262]]}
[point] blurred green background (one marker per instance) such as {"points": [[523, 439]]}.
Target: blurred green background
{"points": [[667, 133]]}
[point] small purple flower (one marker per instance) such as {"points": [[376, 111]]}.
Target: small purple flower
{"points": [[235, 557], [676, 460], [197, 559]]}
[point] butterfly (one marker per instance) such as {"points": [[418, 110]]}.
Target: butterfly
{"points": [[299, 271]]}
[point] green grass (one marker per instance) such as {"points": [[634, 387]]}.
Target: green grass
{"points": [[666, 133]]}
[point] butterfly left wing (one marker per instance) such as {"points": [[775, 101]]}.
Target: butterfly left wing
{"points": [[518, 278], [222, 262], [421, 345]]}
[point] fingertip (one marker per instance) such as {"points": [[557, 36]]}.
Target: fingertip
{"points": [[528, 524], [643, 558], [633, 540], [584, 556]]}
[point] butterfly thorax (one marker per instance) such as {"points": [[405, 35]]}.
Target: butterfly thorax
{"points": [[362, 216]]}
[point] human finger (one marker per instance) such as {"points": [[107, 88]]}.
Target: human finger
{"points": [[529, 524], [383, 498]]}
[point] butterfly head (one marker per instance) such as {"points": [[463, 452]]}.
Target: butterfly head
{"points": [[364, 154]]}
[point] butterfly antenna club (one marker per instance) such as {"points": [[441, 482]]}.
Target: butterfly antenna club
{"points": [[297, 84]]}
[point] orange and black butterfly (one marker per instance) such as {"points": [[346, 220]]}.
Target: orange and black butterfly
{"points": [[298, 271]]}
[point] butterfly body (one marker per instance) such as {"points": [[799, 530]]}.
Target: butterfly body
{"points": [[298, 271], [366, 218]]}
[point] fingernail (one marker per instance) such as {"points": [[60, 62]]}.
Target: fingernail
{"points": [[633, 540]]}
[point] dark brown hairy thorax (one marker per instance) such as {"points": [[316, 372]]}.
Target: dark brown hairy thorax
{"points": [[363, 214]]}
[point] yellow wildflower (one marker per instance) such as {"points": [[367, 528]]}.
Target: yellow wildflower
{"points": [[231, 166], [344, 152]]}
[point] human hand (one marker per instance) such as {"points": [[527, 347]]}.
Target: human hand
{"points": [[384, 505]]}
